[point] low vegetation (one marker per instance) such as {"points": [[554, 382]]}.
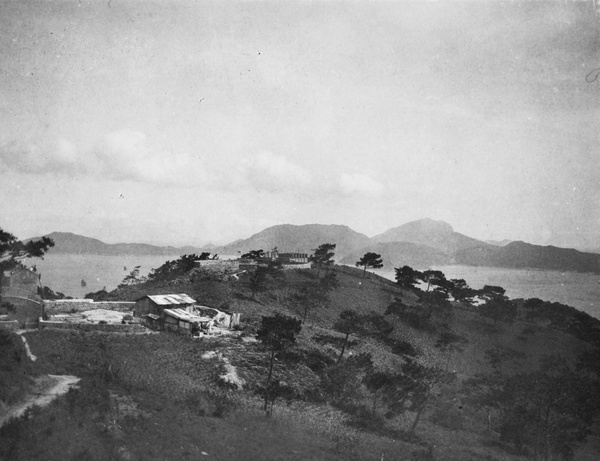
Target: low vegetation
{"points": [[333, 365]]}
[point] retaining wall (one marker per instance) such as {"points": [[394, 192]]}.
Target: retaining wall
{"points": [[62, 306], [109, 327], [218, 263], [11, 325]]}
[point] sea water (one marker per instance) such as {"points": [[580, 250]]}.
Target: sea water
{"points": [[580, 290]]}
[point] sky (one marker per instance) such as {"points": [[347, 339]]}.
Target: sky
{"points": [[189, 122]]}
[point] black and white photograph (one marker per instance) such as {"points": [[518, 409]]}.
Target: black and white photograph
{"points": [[329, 230]]}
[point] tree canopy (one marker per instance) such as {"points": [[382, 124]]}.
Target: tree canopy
{"points": [[323, 256], [13, 251], [253, 254], [277, 333], [370, 260], [407, 277]]}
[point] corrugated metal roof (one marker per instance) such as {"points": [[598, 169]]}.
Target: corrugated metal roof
{"points": [[184, 315], [165, 300]]}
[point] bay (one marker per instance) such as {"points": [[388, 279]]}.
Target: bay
{"points": [[64, 272]]}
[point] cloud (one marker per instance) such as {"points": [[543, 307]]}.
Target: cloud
{"points": [[358, 183], [54, 156], [271, 172], [126, 154], [120, 155]]}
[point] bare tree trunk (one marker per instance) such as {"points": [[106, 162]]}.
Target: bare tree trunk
{"points": [[266, 406], [417, 418], [343, 348]]}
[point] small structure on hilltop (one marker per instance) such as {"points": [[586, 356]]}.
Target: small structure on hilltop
{"points": [[287, 260], [20, 289], [185, 322], [179, 312], [156, 304]]}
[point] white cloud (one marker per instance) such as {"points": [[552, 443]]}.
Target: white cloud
{"points": [[358, 183], [127, 154], [273, 173], [41, 157], [120, 155]]}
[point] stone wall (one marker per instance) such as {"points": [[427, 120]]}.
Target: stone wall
{"points": [[229, 263], [108, 328], [297, 266], [12, 325], [67, 306]]}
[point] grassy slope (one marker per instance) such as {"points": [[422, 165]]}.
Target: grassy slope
{"points": [[184, 412]]}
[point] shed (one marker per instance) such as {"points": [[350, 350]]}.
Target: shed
{"points": [[156, 304], [182, 321]]}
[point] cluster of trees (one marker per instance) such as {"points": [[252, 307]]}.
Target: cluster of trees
{"points": [[352, 382], [545, 412], [173, 269], [494, 302]]}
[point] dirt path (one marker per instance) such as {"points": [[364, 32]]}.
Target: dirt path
{"points": [[32, 357], [63, 384]]}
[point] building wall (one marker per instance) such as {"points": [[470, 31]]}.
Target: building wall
{"points": [[25, 279], [25, 311], [143, 307]]}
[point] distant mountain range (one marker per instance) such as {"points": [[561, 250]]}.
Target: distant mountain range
{"points": [[420, 244], [67, 242]]}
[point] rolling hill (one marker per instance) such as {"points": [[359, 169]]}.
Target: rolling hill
{"points": [[302, 239]]}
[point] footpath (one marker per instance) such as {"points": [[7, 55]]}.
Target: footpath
{"points": [[62, 385]]}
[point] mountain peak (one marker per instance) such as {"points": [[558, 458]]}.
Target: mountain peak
{"points": [[437, 234], [431, 225]]}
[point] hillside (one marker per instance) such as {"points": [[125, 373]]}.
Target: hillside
{"points": [[160, 396], [302, 239], [419, 380], [525, 255], [67, 242]]}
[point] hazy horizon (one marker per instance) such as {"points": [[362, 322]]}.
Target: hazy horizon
{"points": [[116, 240], [187, 123]]}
